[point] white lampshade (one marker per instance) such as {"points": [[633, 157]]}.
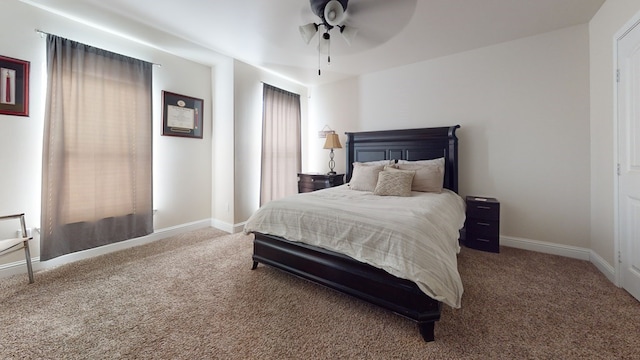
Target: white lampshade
{"points": [[348, 33], [308, 31], [334, 13]]}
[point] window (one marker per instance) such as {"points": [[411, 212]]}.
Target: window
{"points": [[97, 149], [280, 143]]}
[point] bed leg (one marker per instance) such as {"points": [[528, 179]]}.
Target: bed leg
{"points": [[255, 265], [427, 330]]}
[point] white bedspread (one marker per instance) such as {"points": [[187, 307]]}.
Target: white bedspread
{"points": [[414, 238]]}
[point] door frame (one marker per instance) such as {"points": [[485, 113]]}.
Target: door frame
{"points": [[630, 25]]}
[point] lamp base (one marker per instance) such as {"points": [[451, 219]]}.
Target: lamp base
{"points": [[332, 164]]}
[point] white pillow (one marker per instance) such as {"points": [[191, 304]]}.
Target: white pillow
{"points": [[375, 163], [438, 161], [394, 183], [364, 177]]}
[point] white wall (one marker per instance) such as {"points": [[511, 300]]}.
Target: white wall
{"points": [[223, 146], [523, 107], [610, 19], [336, 105], [182, 167]]}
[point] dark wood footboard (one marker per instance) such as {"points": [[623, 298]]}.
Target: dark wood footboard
{"points": [[351, 277]]}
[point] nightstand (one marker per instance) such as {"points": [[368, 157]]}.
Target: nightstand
{"points": [[482, 225], [313, 182]]}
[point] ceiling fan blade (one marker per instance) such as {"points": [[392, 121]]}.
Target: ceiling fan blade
{"points": [[348, 33], [378, 21], [379, 8]]}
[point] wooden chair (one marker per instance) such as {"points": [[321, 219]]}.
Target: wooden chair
{"points": [[10, 245]]}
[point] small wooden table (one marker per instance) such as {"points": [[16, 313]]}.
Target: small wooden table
{"points": [[315, 181], [482, 225]]}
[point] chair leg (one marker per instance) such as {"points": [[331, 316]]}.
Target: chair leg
{"points": [[27, 255]]}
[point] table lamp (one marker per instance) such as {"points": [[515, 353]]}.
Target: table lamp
{"points": [[332, 142]]}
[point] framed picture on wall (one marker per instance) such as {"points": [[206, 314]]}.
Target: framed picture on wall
{"points": [[14, 86], [181, 115]]}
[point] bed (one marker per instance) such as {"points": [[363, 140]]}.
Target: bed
{"points": [[361, 279]]}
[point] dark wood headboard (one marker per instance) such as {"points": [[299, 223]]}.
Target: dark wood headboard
{"points": [[406, 144]]}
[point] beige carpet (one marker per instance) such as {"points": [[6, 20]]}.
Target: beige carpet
{"points": [[194, 296]]}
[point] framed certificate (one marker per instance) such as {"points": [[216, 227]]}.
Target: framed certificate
{"points": [[181, 115], [14, 86]]}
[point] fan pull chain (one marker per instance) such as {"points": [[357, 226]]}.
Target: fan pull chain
{"points": [[319, 57], [329, 51]]}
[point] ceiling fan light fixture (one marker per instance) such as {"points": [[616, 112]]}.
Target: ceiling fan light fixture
{"points": [[333, 13], [348, 33], [308, 31]]}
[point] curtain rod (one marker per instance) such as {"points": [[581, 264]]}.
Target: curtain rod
{"points": [[43, 33]]}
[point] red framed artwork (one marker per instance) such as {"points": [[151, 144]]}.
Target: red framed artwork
{"points": [[14, 86]]}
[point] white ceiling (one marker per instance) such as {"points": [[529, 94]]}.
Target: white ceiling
{"points": [[391, 33]]}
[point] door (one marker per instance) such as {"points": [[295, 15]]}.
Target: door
{"points": [[629, 161]]}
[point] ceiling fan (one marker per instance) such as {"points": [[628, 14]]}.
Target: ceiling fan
{"points": [[362, 18], [333, 14]]}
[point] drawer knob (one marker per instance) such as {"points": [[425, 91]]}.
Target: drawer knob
{"points": [[483, 207], [483, 224]]}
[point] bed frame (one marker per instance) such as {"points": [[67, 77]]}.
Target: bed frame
{"points": [[352, 277]]}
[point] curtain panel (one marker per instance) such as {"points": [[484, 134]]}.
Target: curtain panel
{"points": [[97, 151], [281, 159]]}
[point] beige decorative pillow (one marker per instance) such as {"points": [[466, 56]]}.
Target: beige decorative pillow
{"points": [[394, 183], [428, 178], [364, 177]]}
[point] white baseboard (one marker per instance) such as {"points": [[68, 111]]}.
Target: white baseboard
{"points": [[17, 267], [562, 250], [20, 267], [239, 227], [546, 247], [225, 226], [604, 267]]}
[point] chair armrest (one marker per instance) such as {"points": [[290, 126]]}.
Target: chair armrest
{"points": [[23, 226]]}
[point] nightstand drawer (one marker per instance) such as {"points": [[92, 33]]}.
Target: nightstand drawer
{"points": [[489, 209], [315, 183], [303, 189], [482, 227], [484, 243]]}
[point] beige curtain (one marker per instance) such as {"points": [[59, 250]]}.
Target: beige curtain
{"points": [[96, 184], [280, 143]]}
